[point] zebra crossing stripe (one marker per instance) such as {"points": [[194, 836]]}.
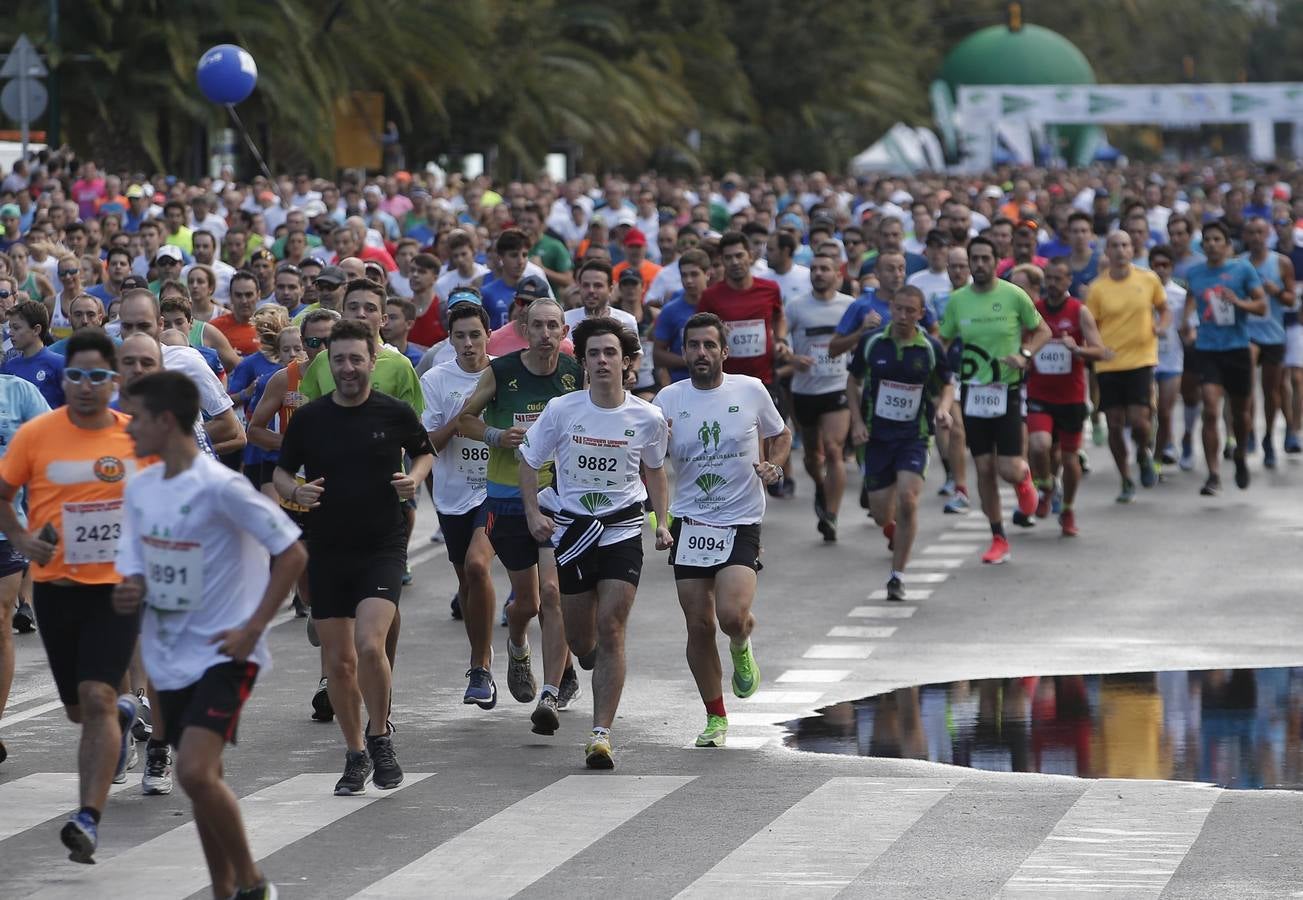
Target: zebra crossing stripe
{"points": [[543, 831], [1121, 837], [274, 817], [818, 847], [33, 799]]}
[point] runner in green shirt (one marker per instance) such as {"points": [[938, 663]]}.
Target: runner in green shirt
{"points": [[1001, 332], [546, 250]]}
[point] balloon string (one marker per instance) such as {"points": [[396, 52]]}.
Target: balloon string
{"points": [[248, 140]]}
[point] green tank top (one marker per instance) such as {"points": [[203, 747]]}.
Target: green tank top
{"points": [[520, 400], [197, 334]]}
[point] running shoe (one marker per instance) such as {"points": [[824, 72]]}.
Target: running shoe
{"points": [[506, 604], [746, 674], [437, 537], [520, 677], [998, 553], [1292, 445], [264, 891], [895, 589], [1229, 450], [1148, 474], [4, 752], [387, 773], [864, 495], [1268, 453], [1128, 492], [356, 769], [1251, 444], [1187, 454], [313, 639], [1241, 472], [959, 504], [407, 575], [715, 733], [1022, 520], [820, 505], [1026, 491], [80, 835], [947, 489], [322, 711], [827, 527], [569, 688], [127, 709], [1043, 504], [24, 618], [455, 607], [1068, 523], [545, 718], [597, 752], [1098, 435], [1212, 487], [300, 611], [1083, 458], [1168, 457], [481, 691], [158, 771], [143, 728], [889, 532]]}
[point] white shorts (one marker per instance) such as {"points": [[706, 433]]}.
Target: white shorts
{"points": [[1294, 347]]}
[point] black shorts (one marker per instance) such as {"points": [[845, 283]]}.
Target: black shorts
{"points": [[779, 396], [11, 560], [746, 552], [1232, 369], [457, 533], [618, 562], [259, 473], [1131, 387], [339, 579], [1271, 354], [85, 640], [1001, 435], [213, 702], [504, 523], [808, 408]]}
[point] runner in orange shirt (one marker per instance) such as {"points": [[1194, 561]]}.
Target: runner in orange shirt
{"points": [[75, 463]]}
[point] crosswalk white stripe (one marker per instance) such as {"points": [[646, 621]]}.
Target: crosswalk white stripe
{"points": [[952, 563], [910, 594], [924, 577], [862, 631], [37, 798], [30, 713], [812, 676], [818, 847], [543, 831], [171, 866], [839, 651], [951, 549], [1121, 837], [882, 612]]}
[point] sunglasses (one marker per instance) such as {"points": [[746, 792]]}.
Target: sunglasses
{"points": [[314, 342], [5, 295], [94, 376], [1281, 223], [68, 273], [327, 285]]}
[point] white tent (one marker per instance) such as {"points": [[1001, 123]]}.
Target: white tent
{"points": [[901, 151]]}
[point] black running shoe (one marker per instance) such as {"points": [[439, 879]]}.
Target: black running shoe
{"points": [[1212, 487], [1241, 472], [1023, 521], [300, 611], [24, 618], [455, 607], [545, 718], [820, 505], [895, 590], [356, 768], [264, 891], [388, 774], [827, 527], [322, 711], [4, 754]]}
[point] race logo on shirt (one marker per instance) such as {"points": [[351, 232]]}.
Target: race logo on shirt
{"points": [[707, 432], [109, 469], [568, 382], [709, 483], [594, 502]]}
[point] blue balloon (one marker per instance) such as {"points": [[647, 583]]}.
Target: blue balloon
{"points": [[227, 74]]}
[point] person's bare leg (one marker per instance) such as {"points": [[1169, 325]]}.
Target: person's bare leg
{"points": [[614, 601], [101, 740], [556, 653], [833, 430], [340, 656], [1212, 415], [908, 487], [375, 617], [9, 586], [226, 847], [478, 599], [697, 600]]}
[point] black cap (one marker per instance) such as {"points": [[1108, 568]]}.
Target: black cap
{"points": [[938, 238], [331, 274], [532, 287], [133, 281], [631, 276]]}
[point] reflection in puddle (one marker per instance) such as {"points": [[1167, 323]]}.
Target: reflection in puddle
{"points": [[1239, 728]]}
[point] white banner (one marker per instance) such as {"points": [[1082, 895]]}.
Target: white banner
{"points": [[1171, 105]]}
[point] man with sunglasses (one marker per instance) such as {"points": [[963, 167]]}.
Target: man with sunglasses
{"points": [[75, 463], [167, 263], [70, 286], [329, 285]]}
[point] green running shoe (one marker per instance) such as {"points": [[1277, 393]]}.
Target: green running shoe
{"points": [[746, 674], [715, 733]]}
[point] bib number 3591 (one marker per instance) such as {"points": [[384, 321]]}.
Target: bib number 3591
{"points": [[703, 546]]}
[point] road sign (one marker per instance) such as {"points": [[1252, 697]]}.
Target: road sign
{"points": [[11, 99], [23, 61]]}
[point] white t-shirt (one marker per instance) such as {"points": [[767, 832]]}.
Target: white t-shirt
{"points": [[223, 271], [714, 444], [400, 285], [598, 452], [444, 285], [578, 314], [793, 283], [202, 540], [213, 399], [461, 468], [935, 287], [812, 324], [665, 285], [1171, 355]]}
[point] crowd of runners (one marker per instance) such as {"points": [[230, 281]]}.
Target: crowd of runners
{"points": [[219, 399]]}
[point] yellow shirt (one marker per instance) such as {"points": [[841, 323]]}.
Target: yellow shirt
{"points": [[1124, 310]]}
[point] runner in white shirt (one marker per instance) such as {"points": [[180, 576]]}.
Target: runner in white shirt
{"points": [[1171, 355], [196, 538], [819, 403], [718, 426], [460, 476], [600, 439], [934, 281], [462, 269], [595, 286]]}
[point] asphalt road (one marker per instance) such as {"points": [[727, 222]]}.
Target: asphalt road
{"points": [[488, 809]]}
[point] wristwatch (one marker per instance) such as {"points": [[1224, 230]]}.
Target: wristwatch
{"points": [[1026, 354]]}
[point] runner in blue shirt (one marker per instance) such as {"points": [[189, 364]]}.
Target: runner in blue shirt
{"points": [[871, 312], [20, 402], [29, 323]]}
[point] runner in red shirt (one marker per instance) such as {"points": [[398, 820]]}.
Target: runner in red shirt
{"points": [[753, 310], [1056, 391]]}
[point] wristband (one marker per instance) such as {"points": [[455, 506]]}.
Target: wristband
{"points": [[293, 494], [493, 436]]}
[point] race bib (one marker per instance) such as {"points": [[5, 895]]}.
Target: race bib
{"points": [[747, 338], [596, 466], [703, 546], [174, 572], [469, 458], [1054, 359], [986, 401], [825, 366], [91, 531], [898, 401], [1223, 310]]}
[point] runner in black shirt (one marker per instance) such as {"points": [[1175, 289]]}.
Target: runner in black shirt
{"points": [[351, 445]]}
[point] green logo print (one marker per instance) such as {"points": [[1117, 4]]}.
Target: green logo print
{"points": [[706, 433], [593, 501], [709, 482]]}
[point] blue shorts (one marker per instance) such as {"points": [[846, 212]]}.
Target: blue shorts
{"points": [[11, 560], [883, 459]]}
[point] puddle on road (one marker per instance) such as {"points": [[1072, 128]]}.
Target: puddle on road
{"points": [[1238, 728]]}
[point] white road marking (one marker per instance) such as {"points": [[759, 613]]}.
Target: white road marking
{"points": [[910, 594], [839, 651], [862, 631], [42, 796], [795, 698], [812, 676], [882, 612]]}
